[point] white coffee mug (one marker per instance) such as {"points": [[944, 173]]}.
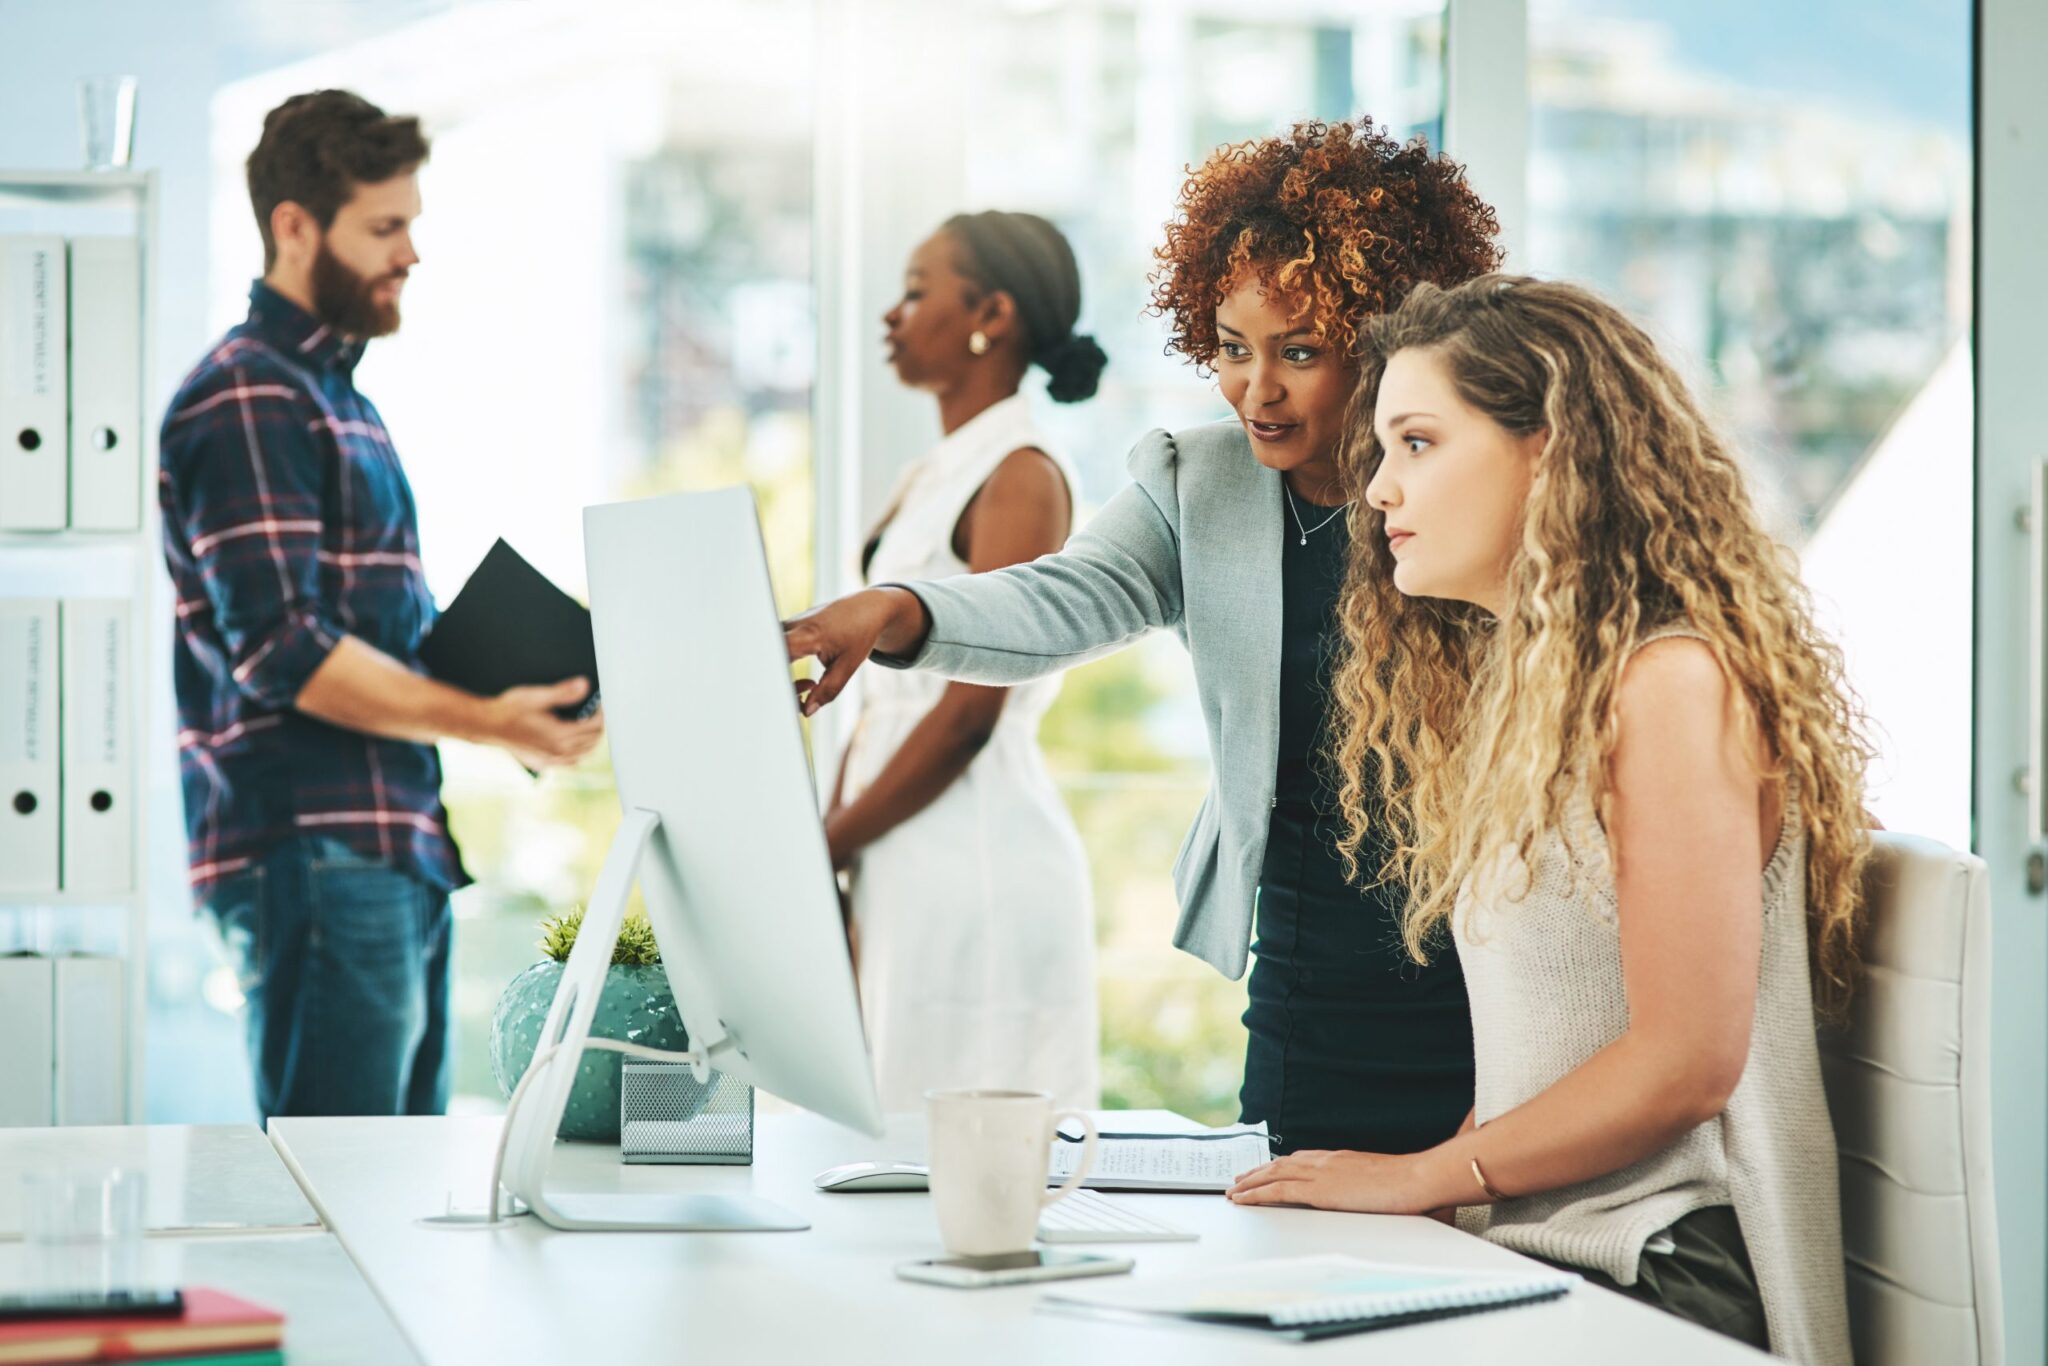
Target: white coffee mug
{"points": [[990, 1154]]}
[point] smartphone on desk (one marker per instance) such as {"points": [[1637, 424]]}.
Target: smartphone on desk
{"points": [[1039, 1264]]}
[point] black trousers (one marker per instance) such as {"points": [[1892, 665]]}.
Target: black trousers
{"points": [[1706, 1278]]}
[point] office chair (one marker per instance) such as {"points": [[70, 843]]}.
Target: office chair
{"points": [[1909, 1085]]}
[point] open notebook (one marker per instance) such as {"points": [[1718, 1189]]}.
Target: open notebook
{"points": [[1310, 1297], [1199, 1160]]}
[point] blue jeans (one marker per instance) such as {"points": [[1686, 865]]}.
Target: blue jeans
{"points": [[344, 962]]}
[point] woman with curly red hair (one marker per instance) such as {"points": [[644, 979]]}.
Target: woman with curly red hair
{"points": [[1232, 536]]}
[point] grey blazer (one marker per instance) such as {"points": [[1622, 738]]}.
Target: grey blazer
{"points": [[1191, 546]]}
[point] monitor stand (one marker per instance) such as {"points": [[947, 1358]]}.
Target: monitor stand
{"points": [[542, 1095]]}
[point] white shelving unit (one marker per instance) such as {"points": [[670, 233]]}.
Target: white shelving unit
{"points": [[101, 564]]}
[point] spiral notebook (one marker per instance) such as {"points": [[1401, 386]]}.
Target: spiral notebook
{"points": [[1305, 1298]]}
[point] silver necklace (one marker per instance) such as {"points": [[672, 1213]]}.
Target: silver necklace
{"points": [[1305, 530]]}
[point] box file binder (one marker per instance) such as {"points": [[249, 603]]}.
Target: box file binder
{"points": [[25, 1023], [34, 396], [98, 754], [90, 1034], [106, 380], [29, 768]]}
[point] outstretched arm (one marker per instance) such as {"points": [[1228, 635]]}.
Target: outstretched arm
{"points": [[359, 687], [1022, 512], [249, 514], [1116, 580]]}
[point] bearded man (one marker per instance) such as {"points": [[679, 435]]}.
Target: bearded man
{"points": [[319, 848]]}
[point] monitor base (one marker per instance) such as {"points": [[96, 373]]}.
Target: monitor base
{"points": [[653, 1211]]}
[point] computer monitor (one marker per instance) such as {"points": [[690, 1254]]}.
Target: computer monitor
{"points": [[721, 825]]}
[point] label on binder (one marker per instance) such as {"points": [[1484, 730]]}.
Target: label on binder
{"points": [[28, 745], [34, 395], [98, 784]]}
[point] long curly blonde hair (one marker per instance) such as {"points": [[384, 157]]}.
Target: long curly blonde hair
{"points": [[1468, 735]]}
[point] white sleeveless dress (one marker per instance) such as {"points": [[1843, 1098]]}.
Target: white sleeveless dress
{"points": [[977, 953]]}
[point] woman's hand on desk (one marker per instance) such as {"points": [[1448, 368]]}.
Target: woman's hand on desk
{"points": [[843, 633], [1364, 1183]]}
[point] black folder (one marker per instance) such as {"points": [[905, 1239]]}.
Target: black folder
{"points": [[511, 627]]}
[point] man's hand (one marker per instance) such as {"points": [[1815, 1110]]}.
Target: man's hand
{"points": [[522, 721], [358, 687]]}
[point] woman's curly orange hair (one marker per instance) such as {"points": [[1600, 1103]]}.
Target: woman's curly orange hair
{"points": [[1339, 215]]}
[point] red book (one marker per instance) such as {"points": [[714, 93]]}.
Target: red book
{"points": [[212, 1322]]}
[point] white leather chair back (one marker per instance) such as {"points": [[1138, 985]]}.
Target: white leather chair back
{"points": [[1909, 1086]]}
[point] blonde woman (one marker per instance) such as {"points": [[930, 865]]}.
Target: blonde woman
{"points": [[1622, 773]]}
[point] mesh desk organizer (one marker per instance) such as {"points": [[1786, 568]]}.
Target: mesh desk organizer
{"points": [[667, 1116]]}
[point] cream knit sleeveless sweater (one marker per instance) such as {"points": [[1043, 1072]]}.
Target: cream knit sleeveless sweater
{"points": [[1544, 976]]}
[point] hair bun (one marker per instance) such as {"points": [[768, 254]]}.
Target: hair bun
{"points": [[1075, 366]]}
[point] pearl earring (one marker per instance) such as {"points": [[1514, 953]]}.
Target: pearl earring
{"points": [[978, 343]]}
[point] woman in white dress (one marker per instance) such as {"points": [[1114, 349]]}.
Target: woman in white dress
{"points": [[970, 895]]}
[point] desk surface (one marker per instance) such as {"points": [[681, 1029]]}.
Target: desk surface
{"points": [[208, 1178], [526, 1293], [331, 1316]]}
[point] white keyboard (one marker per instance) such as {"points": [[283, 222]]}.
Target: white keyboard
{"points": [[1085, 1217]]}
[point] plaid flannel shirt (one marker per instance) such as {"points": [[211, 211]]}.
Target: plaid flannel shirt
{"points": [[288, 523]]}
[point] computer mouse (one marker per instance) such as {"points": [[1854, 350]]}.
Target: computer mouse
{"points": [[873, 1176]]}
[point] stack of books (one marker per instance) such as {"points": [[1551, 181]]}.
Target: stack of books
{"points": [[207, 1326]]}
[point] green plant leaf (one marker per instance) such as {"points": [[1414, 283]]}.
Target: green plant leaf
{"points": [[636, 946]]}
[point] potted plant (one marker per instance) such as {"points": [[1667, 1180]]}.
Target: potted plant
{"points": [[636, 1006]]}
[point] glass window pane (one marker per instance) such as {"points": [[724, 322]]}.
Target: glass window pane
{"points": [[1782, 195], [1089, 115]]}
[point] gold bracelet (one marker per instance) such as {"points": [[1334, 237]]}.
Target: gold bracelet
{"points": [[1484, 1184]]}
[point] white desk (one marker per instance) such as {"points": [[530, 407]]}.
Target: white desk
{"points": [[526, 1293], [202, 1178], [223, 1212], [331, 1316]]}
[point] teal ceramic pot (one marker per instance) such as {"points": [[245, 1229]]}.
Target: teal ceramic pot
{"points": [[636, 1006]]}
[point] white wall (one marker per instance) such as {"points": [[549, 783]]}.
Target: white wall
{"points": [[181, 51], [45, 48]]}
